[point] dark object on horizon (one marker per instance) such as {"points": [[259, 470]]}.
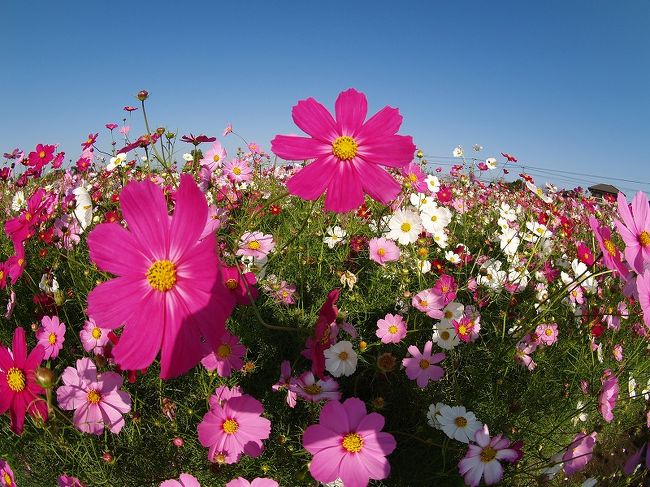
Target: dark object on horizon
{"points": [[604, 190]]}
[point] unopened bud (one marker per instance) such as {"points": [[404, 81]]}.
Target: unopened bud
{"points": [[44, 377], [59, 297], [143, 95]]}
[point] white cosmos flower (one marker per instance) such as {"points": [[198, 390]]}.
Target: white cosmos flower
{"points": [[509, 241], [458, 151], [116, 161], [453, 311], [405, 226], [334, 235], [420, 199], [458, 423], [188, 157], [424, 266], [48, 284], [452, 257], [83, 211], [539, 192], [340, 359], [433, 183], [445, 336], [435, 218], [441, 239], [491, 162], [18, 201], [537, 230], [432, 414]]}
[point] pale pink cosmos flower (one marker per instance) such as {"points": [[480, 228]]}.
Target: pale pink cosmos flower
{"points": [[307, 387], [68, 481], [579, 453], [430, 302], [608, 395], [222, 394], [391, 328], [96, 398], [238, 170], [284, 383], [522, 355], [348, 444], [214, 157], [258, 482], [618, 352], [349, 152], [635, 230], [420, 365], [482, 459], [547, 333], [124, 130], [255, 244], [227, 130], [383, 250], [51, 336], [93, 338], [185, 480], [235, 428], [226, 357]]}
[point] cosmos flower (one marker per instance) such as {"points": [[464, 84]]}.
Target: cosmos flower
{"points": [[185, 480], [51, 336], [349, 153], [482, 459], [420, 366]]}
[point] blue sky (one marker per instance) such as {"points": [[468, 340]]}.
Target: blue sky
{"points": [[563, 85]]}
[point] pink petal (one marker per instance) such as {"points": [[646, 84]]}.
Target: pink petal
{"points": [[189, 218], [19, 348], [640, 211], [314, 119], [5, 396], [356, 411], [385, 122], [351, 109], [6, 362], [376, 466], [393, 151], [114, 249], [114, 302], [324, 467], [311, 181], [353, 472], [492, 472], [294, 148], [377, 182], [35, 358], [317, 437], [344, 191], [334, 418]]}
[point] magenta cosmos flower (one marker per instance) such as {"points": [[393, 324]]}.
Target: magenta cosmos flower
{"points": [[19, 392], [420, 366], [233, 428], [51, 336], [635, 230], [547, 333], [348, 444], [307, 387], [96, 398], [611, 254], [258, 482], [227, 357], [383, 250], [391, 329], [185, 480], [579, 453], [348, 152], [69, 481], [168, 292], [482, 459]]}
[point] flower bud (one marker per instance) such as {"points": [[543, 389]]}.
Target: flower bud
{"points": [[44, 377], [143, 95]]}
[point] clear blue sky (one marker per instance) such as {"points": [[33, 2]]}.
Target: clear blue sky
{"points": [[563, 85]]}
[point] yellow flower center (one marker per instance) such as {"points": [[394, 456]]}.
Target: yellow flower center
{"points": [[644, 238], [488, 454], [343, 355], [216, 158], [2, 274], [28, 216], [254, 245], [444, 335], [16, 379], [224, 350], [345, 148], [413, 178], [42, 154], [610, 247], [406, 227], [7, 479], [89, 141], [231, 284], [434, 218], [96, 333], [162, 275], [424, 303], [462, 329], [313, 389], [353, 442], [548, 332], [230, 426], [236, 170], [94, 397], [424, 364], [381, 252], [448, 314], [460, 421], [52, 338], [392, 329], [219, 458]]}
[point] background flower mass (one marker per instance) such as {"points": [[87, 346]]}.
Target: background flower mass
{"points": [[426, 325]]}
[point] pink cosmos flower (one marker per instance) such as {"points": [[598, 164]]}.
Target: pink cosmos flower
{"points": [[414, 177], [324, 334], [641, 456], [420, 365], [50, 336], [467, 328], [227, 130], [93, 338], [391, 329], [213, 223], [579, 453], [19, 391], [635, 230], [643, 287], [383, 250], [69, 481], [547, 333], [236, 286], [96, 399], [214, 157], [618, 352], [482, 459], [255, 244], [226, 357], [125, 129], [238, 170], [284, 383], [307, 387], [168, 292], [41, 156], [234, 428], [430, 302], [222, 394], [185, 480], [6, 475], [348, 152], [584, 253], [608, 395], [258, 482], [611, 254], [348, 444], [447, 287], [522, 354]]}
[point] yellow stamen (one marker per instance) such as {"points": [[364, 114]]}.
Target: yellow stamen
{"points": [[162, 275], [16, 379], [7, 479], [231, 284], [460, 421], [352, 442], [96, 333], [224, 350], [392, 329], [254, 245], [488, 454], [406, 227], [444, 335], [313, 389], [216, 158], [644, 238], [94, 397], [230, 426], [548, 332], [424, 364], [236, 170], [343, 355], [610, 247], [345, 148], [52, 338], [381, 252]]}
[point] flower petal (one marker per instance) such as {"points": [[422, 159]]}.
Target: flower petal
{"points": [[344, 191], [189, 218], [377, 183], [385, 122], [114, 249], [393, 151], [311, 181], [314, 119], [294, 148], [351, 110]]}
